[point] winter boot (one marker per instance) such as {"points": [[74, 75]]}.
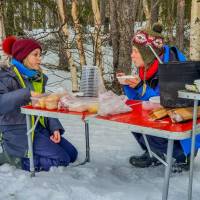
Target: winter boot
{"points": [[182, 164], [145, 160]]}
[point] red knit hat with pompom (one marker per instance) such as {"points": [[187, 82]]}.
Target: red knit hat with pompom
{"points": [[19, 48]]}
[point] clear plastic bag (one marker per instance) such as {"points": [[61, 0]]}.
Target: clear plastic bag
{"points": [[66, 100], [79, 104], [110, 104]]}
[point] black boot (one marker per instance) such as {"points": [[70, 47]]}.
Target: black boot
{"points": [[145, 160], [182, 164]]}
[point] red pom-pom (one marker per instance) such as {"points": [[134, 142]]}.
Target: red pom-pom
{"points": [[8, 43]]}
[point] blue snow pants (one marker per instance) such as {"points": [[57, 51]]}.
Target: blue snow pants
{"points": [[47, 153]]}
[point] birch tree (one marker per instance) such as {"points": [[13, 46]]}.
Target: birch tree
{"points": [[195, 31], [79, 41], [73, 67], [180, 24], [97, 36]]}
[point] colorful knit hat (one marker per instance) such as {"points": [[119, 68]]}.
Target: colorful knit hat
{"points": [[153, 38], [19, 48]]}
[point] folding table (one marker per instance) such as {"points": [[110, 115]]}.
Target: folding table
{"points": [[138, 121], [29, 111]]}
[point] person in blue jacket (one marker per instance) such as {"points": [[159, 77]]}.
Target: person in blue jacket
{"points": [[145, 85], [18, 82]]}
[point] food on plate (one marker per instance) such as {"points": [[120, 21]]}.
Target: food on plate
{"points": [[122, 79]]}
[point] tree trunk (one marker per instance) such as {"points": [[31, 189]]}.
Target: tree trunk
{"points": [[180, 24], [115, 36], [103, 13], [146, 12], [44, 21], [10, 27], [154, 11], [98, 57], [122, 26], [97, 36], [79, 40], [3, 57], [73, 67], [30, 15], [195, 31], [170, 20]]}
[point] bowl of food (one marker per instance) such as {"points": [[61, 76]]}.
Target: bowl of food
{"points": [[122, 79]]}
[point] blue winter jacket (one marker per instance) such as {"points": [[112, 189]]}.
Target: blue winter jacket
{"points": [[136, 93], [12, 122]]}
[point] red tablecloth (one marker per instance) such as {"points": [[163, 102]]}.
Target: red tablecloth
{"points": [[83, 114], [140, 117]]}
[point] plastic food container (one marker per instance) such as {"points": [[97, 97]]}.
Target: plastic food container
{"points": [[122, 79], [39, 102], [48, 101], [51, 102]]}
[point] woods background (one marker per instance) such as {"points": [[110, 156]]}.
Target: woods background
{"points": [[80, 30]]}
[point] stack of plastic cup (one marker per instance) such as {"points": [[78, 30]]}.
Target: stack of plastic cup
{"points": [[89, 81]]}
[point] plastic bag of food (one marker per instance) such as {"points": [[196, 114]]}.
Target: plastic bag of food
{"points": [[66, 100], [110, 104], [78, 106]]}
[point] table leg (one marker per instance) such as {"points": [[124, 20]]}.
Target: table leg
{"points": [[147, 145], [168, 169], [30, 145], [87, 143], [87, 138], [192, 149]]}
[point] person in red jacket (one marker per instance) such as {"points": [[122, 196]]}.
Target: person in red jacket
{"points": [[147, 51]]}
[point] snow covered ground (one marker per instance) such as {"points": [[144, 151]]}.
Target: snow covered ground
{"points": [[108, 176]]}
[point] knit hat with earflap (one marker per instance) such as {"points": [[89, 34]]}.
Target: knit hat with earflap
{"points": [[19, 48], [152, 37]]}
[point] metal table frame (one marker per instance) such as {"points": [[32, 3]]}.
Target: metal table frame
{"points": [[52, 114], [196, 98], [171, 136]]}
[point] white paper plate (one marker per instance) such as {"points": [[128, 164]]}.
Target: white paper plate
{"points": [[155, 99]]}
